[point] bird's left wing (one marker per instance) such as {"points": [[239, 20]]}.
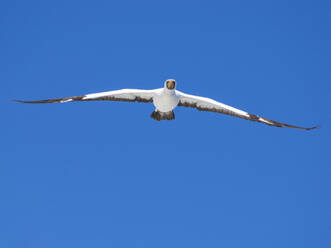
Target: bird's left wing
{"points": [[126, 95], [207, 104]]}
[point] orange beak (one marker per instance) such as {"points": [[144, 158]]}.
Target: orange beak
{"points": [[171, 84]]}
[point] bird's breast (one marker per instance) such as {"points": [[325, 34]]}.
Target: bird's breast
{"points": [[165, 102]]}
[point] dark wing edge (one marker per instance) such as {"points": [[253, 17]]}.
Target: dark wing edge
{"points": [[82, 98], [54, 100], [250, 117], [280, 124]]}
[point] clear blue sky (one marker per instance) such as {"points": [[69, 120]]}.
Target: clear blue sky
{"points": [[103, 174]]}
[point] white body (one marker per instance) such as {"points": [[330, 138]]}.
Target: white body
{"points": [[165, 100]]}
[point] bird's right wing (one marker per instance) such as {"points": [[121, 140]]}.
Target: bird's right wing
{"points": [[126, 95], [207, 104]]}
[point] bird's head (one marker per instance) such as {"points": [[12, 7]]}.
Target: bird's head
{"points": [[170, 84]]}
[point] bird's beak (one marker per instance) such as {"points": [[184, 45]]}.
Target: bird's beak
{"points": [[171, 85]]}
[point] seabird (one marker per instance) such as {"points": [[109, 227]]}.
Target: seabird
{"points": [[165, 100]]}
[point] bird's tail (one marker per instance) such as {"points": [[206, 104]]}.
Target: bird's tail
{"points": [[160, 116]]}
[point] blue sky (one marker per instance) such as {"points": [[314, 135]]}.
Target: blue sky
{"points": [[103, 174]]}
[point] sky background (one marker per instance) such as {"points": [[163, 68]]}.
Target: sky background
{"points": [[103, 174]]}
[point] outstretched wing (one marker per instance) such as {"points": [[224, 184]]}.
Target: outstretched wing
{"points": [[207, 104], [126, 95]]}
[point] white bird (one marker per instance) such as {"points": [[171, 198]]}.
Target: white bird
{"points": [[165, 100]]}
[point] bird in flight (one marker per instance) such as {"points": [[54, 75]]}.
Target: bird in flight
{"points": [[165, 100]]}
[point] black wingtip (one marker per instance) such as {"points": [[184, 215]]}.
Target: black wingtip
{"points": [[21, 101], [312, 128]]}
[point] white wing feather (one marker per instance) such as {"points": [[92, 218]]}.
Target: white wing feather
{"points": [[128, 95], [207, 104]]}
